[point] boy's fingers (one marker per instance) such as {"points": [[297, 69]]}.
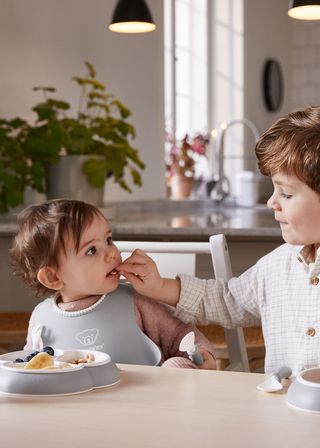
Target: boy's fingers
{"points": [[138, 253], [132, 279], [136, 258], [129, 268]]}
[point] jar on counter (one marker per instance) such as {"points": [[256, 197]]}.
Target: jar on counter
{"points": [[247, 188]]}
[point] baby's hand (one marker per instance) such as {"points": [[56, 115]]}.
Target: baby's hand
{"points": [[142, 272], [209, 362]]}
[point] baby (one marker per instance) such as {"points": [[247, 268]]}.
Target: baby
{"points": [[64, 249]]}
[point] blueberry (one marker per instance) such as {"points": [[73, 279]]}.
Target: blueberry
{"points": [[29, 357], [18, 360], [48, 350]]}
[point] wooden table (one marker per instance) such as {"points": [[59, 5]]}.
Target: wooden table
{"points": [[157, 407]]}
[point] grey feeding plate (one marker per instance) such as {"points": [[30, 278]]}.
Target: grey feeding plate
{"points": [[304, 392], [15, 380]]}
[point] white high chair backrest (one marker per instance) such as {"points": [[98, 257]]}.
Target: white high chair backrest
{"points": [[180, 257], [171, 257]]}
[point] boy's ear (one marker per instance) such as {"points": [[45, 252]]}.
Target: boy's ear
{"points": [[48, 277]]}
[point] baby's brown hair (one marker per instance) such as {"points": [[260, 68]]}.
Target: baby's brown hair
{"points": [[292, 145], [42, 230]]}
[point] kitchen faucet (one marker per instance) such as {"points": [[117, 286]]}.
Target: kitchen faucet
{"points": [[222, 186]]}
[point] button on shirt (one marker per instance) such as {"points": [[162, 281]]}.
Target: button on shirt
{"points": [[280, 291], [311, 332], [314, 281]]}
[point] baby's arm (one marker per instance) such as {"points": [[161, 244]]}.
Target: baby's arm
{"points": [[159, 324], [141, 271]]}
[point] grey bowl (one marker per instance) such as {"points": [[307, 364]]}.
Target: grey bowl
{"points": [[102, 370], [15, 380], [304, 392]]}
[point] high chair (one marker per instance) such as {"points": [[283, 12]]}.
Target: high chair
{"points": [[180, 257]]}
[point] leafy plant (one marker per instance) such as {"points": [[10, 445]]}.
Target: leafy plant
{"points": [[100, 128]]}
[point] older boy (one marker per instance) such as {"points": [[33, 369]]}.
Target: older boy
{"points": [[282, 290]]}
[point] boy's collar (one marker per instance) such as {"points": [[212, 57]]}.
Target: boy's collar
{"points": [[308, 254]]}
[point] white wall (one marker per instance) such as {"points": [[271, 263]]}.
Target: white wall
{"points": [[305, 63], [44, 42], [266, 35]]}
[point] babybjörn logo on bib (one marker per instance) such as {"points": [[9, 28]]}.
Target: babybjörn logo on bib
{"points": [[87, 337]]}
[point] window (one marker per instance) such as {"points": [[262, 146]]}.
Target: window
{"points": [[186, 67], [204, 74]]}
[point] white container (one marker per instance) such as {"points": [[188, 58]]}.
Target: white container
{"points": [[247, 188]]}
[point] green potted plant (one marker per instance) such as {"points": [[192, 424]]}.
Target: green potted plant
{"points": [[99, 131]]}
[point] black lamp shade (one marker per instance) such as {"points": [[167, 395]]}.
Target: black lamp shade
{"points": [[304, 9], [131, 16]]}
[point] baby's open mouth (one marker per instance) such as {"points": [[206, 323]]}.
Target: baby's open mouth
{"points": [[113, 272]]}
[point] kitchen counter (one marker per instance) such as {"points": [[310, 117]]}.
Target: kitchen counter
{"points": [[180, 220], [192, 220]]}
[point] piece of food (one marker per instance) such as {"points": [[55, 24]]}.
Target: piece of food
{"points": [[48, 350], [40, 361], [81, 361], [29, 357], [89, 357]]}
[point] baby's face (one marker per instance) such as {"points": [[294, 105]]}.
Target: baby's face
{"points": [[90, 271], [297, 209]]}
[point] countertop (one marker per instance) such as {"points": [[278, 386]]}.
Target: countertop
{"points": [[180, 220], [183, 220]]}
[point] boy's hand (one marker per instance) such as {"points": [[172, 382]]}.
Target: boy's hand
{"points": [[142, 272], [209, 362]]}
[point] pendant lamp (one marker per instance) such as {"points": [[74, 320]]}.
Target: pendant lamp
{"points": [[304, 9], [132, 16]]}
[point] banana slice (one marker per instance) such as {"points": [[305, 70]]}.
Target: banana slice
{"points": [[40, 361]]}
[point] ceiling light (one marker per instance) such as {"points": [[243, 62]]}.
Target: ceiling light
{"points": [[131, 16], [304, 9]]}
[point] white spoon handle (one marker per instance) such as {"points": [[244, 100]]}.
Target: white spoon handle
{"points": [[196, 357]]}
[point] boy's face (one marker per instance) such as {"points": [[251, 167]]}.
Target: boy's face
{"points": [[297, 209], [88, 271]]}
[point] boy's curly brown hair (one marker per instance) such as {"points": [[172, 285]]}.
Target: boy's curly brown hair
{"points": [[292, 145], [42, 230]]}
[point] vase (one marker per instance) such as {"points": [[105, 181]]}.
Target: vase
{"points": [[67, 180], [181, 186]]}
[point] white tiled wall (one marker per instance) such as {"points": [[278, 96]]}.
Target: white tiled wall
{"points": [[305, 60]]}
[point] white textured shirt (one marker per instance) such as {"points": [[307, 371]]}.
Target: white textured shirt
{"points": [[281, 292]]}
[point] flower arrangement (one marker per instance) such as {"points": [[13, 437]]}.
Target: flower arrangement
{"points": [[183, 156]]}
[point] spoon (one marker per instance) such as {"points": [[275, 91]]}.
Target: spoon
{"points": [[273, 382], [187, 345]]}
